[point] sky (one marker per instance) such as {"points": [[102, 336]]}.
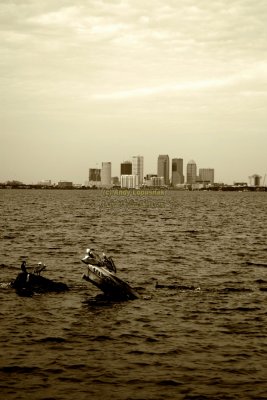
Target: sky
{"points": [[87, 82]]}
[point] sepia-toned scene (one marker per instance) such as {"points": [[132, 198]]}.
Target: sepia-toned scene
{"points": [[133, 180]]}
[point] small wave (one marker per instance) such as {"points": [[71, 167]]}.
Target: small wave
{"points": [[54, 371], [7, 237], [136, 352], [77, 366], [169, 382], [175, 287], [151, 340], [256, 263], [233, 289], [18, 369], [51, 339], [101, 338], [101, 300], [69, 379], [245, 309], [260, 281]]}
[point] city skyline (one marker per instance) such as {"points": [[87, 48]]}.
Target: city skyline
{"points": [[81, 81], [132, 174], [176, 168]]}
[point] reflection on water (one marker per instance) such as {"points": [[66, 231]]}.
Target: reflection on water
{"points": [[198, 260]]}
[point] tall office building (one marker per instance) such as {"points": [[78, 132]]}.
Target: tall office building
{"points": [[164, 168], [191, 172], [94, 175], [106, 174], [177, 171], [126, 168], [94, 178], [206, 175], [138, 168]]}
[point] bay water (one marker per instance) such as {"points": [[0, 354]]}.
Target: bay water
{"points": [[198, 330]]}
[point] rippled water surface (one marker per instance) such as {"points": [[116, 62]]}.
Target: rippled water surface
{"points": [[198, 331]]}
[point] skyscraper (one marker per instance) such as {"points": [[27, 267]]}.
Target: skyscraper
{"points": [[106, 174], [126, 168], [94, 175], [191, 172], [138, 168], [164, 168], [206, 175], [177, 171]]}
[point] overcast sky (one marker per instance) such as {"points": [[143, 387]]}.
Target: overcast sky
{"points": [[89, 81]]}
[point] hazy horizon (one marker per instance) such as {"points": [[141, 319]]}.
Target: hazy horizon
{"points": [[94, 81]]}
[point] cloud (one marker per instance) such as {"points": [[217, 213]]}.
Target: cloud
{"points": [[243, 78], [59, 17], [131, 49], [183, 64], [163, 89]]}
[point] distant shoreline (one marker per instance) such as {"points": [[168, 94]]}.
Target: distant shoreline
{"points": [[122, 191]]}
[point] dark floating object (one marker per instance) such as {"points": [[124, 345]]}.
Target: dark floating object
{"points": [[26, 283], [101, 272]]}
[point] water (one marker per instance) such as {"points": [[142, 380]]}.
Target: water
{"points": [[200, 334]]}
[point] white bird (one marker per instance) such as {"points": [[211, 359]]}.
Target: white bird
{"points": [[39, 268]]}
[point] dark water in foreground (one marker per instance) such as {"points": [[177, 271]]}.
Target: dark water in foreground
{"points": [[204, 341]]}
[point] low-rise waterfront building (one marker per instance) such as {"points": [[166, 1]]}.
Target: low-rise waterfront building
{"points": [[65, 185], [130, 181]]}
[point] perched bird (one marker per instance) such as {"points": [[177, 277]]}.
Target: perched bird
{"points": [[23, 267], [39, 268]]}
